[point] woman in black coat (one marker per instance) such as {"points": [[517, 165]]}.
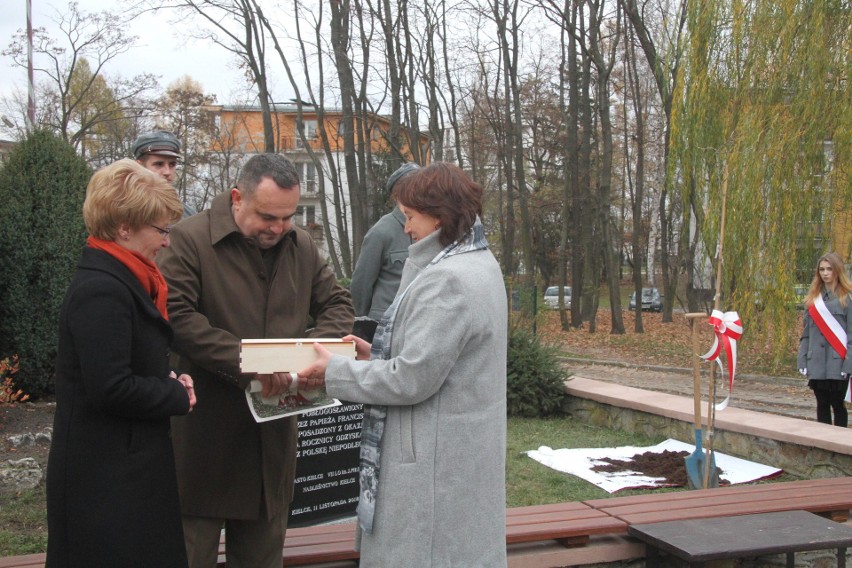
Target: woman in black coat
{"points": [[111, 487]]}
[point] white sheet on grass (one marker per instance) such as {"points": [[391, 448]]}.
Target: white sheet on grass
{"points": [[580, 462]]}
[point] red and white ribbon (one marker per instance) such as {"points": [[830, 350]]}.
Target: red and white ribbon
{"points": [[832, 331], [727, 328]]}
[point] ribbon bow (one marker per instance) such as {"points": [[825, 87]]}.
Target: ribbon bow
{"points": [[728, 329]]}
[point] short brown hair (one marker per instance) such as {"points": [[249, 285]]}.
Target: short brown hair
{"points": [[444, 191], [124, 192]]}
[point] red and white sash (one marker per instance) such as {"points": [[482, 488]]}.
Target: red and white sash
{"points": [[831, 330]]}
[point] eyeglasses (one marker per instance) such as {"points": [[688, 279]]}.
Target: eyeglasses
{"points": [[163, 232]]}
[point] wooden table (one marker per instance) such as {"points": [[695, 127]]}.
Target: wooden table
{"points": [[700, 540]]}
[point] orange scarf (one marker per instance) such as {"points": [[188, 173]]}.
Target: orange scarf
{"points": [[143, 269]]}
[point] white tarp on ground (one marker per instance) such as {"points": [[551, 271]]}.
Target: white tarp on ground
{"points": [[580, 462]]}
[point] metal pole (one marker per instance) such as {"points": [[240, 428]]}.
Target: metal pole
{"points": [[30, 86]]}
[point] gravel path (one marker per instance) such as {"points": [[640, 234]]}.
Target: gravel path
{"points": [[787, 396]]}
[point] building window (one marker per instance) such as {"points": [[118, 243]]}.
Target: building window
{"points": [[306, 215], [308, 176], [310, 127]]}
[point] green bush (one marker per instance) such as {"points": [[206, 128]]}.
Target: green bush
{"points": [[534, 379], [42, 187]]}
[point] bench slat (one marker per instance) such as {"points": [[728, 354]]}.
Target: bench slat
{"points": [[564, 529], [324, 552], [831, 497], [837, 484], [568, 506], [572, 510], [514, 521], [295, 539], [22, 561], [812, 504]]}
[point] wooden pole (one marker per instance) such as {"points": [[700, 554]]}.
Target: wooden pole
{"points": [[717, 304]]}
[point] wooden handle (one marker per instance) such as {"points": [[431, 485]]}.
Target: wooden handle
{"points": [[696, 371]]}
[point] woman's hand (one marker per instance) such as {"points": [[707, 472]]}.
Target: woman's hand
{"points": [[187, 383], [313, 376], [362, 348]]}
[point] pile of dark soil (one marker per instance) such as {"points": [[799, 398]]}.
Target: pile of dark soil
{"points": [[668, 465]]}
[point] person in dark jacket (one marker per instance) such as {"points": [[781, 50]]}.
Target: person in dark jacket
{"points": [[825, 354], [377, 273], [112, 496]]}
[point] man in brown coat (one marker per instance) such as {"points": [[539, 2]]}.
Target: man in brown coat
{"points": [[241, 270]]}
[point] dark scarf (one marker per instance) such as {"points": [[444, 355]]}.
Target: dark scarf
{"points": [[143, 269]]}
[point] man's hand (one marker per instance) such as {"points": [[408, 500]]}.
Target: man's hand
{"points": [[274, 384]]}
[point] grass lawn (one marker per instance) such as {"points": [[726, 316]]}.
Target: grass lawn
{"points": [[530, 483], [23, 522]]}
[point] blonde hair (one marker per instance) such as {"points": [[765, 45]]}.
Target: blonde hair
{"points": [[842, 284], [124, 192]]}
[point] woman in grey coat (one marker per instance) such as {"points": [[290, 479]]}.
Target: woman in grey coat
{"points": [[434, 382], [825, 356]]}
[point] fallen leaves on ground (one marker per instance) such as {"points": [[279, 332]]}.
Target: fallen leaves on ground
{"points": [[666, 344]]}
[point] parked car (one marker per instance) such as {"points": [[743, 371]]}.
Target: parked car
{"points": [[652, 301], [551, 297]]}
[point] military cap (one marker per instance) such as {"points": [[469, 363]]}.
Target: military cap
{"points": [[399, 173], [159, 142]]}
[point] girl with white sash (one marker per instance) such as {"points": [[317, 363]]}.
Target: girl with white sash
{"points": [[825, 356]]}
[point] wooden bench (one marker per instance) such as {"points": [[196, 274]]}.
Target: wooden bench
{"points": [[25, 561], [537, 533], [569, 524], [830, 498]]}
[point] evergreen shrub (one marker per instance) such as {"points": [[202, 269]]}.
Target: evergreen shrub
{"points": [[535, 380], [42, 188]]}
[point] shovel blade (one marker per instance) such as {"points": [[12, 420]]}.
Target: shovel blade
{"points": [[695, 469], [695, 463]]}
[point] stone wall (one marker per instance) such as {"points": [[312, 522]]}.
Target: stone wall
{"points": [[806, 462]]}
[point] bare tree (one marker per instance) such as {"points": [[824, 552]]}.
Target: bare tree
{"points": [[637, 193], [328, 182], [340, 44], [235, 27], [77, 97], [184, 109], [508, 20], [664, 59], [585, 206], [224, 160], [604, 63]]}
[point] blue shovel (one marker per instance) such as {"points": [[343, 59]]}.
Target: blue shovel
{"points": [[695, 463]]}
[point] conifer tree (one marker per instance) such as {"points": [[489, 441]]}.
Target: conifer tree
{"points": [[42, 187]]}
